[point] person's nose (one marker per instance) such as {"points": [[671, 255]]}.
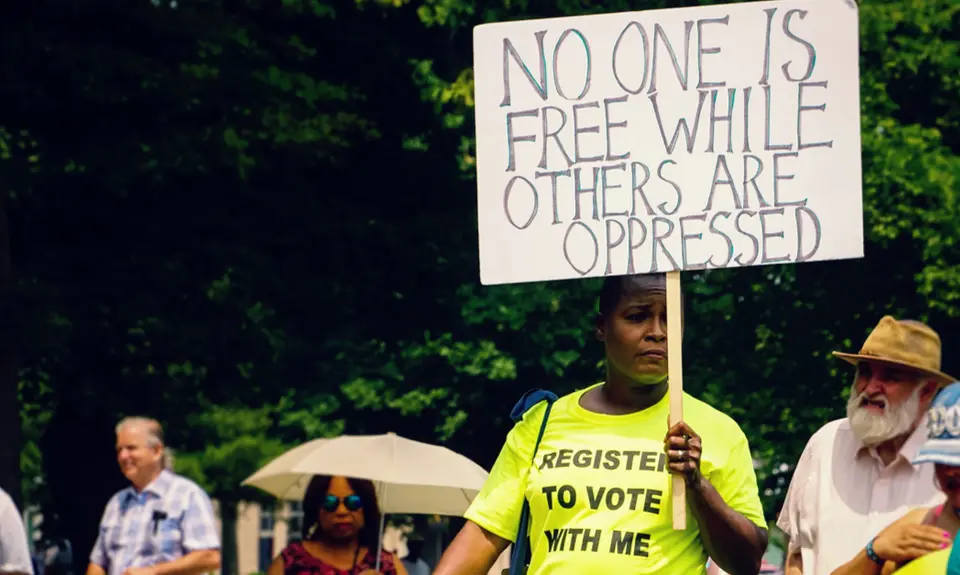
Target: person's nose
{"points": [[874, 386], [658, 330]]}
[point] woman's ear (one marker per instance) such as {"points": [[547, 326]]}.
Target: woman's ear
{"points": [[599, 329]]}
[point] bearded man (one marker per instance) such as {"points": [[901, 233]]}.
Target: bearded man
{"points": [[855, 475]]}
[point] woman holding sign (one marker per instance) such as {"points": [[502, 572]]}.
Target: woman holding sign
{"points": [[598, 482]]}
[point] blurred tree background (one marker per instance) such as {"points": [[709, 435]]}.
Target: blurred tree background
{"points": [[255, 221]]}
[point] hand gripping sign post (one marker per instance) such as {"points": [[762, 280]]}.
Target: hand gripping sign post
{"points": [[668, 140]]}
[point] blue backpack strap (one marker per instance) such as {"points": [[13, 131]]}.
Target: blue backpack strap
{"points": [[518, 559], [529, 400]]}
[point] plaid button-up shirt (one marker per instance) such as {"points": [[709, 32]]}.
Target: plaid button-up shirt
{"points": [[170, 518]]}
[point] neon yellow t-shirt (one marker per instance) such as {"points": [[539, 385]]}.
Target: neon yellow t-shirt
{"points": [[600, 493], [930, 564]]}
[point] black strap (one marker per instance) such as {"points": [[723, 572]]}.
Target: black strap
{"points": [[519, 556], [356, 555]]}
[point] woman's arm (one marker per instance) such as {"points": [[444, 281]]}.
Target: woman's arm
{"points": [[794, 564], [473, 552], [734, 542], [862, 565], [903, 540], [276, 566], [401, 568]]}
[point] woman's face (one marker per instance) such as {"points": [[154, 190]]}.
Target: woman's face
{"points": [[948, 478], [635, 336], [341, 512]]}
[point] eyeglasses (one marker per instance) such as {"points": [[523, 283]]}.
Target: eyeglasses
{"points": [[352, 502]]}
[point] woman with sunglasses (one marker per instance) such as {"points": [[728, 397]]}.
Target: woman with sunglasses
{"points": [[340, 532], [921, 542]]}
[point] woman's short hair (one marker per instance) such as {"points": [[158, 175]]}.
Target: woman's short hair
{"points": [[369, 535], [615, 287]]}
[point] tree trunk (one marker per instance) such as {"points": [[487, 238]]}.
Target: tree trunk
{"points": [[10, 430], [228, 552]]}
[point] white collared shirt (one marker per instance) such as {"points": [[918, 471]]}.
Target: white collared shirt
{"points": [[14, 550], [842, 495]]}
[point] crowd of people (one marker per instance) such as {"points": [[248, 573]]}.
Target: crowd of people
{"points": [[867, 496], [584, 480]]}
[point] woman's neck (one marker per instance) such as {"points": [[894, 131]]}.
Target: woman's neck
{"points": [[337, 553], [620, 396], [948, 520], [338, 545]]}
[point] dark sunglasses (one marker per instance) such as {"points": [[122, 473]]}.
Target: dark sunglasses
{"points": [[352, 502], [951, 483]]}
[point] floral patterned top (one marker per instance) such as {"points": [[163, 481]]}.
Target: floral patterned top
{"points": [[298, 561]]}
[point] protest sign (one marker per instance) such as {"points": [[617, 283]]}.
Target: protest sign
{"points": [[666, 140]]}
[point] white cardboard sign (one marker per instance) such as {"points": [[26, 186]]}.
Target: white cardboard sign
{"points": [[681, 139]]}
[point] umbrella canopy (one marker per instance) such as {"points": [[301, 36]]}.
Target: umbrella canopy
{"points": [[411, 477]]}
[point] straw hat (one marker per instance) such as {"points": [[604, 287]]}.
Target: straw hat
{"points": [[907, 344]]}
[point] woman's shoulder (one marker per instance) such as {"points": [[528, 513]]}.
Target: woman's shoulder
{"points": [[527, 421], [292, 547], [699, 413], [924, 515], [293, 551], [388, 561], [921, 515]]}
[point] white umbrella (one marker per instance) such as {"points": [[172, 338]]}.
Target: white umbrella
{"points": [[411, 477]]}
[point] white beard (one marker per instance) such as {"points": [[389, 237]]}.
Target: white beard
{"points": [[875, 428]]}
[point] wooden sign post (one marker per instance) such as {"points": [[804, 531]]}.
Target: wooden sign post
{"points": [[675, 387], [686, 139]]}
